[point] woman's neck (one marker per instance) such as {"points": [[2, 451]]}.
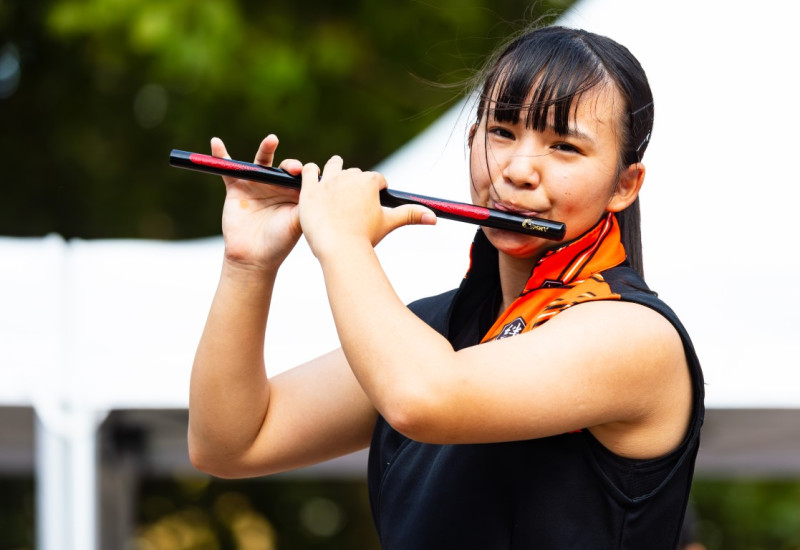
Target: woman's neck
{"points": [[514, 274]]}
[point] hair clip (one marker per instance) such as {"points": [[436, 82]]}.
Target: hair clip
{"points": [[642, 144], [642, 108]]}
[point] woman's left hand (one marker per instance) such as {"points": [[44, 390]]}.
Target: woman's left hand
{"points": [[343, 208]]}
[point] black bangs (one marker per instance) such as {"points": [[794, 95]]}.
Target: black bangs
{"points": [[538, 73]]}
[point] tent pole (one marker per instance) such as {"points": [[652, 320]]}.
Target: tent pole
{"points": [[67, 490], [52, 502]]}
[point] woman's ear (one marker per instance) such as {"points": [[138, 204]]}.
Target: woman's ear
{"points": [[472, 130], [627, 189]]}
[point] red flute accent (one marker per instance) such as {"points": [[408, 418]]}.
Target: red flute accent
{"points": [[223, 164], [451, 210], [468, 210]]}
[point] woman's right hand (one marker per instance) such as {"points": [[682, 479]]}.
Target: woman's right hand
{"points": [[260, 222]]}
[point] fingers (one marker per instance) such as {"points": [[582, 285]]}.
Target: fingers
{"points": [[266, 151], [343, 179], [293, 166], [310, 173], [218, 148], [264, 156], [410, 214], [333, 167]]}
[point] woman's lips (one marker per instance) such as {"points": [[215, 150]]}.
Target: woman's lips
{"points": [[513, 210]]}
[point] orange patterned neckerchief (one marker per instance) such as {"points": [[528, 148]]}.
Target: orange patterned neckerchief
{"points": [[562, 278]]}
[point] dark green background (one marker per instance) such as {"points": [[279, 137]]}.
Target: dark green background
{"points": [[109, 87]]}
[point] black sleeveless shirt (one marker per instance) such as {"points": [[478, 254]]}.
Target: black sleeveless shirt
{"points": [[561, 492]]}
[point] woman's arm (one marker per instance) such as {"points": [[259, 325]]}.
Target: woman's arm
{"points": [[242, 423], [616, 368]]}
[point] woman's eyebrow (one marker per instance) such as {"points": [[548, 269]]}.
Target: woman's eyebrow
{"points": [[572, 132]]}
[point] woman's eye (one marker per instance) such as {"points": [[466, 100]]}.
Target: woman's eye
{"points": [[501, 132], [565, 147]]}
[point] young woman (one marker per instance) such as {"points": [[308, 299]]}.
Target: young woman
{"points": [[551, 401]]}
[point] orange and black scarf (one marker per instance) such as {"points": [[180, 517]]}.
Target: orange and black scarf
{"points": [[564, 277]]}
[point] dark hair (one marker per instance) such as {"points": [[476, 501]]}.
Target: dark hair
{"points": [[552, 67]]}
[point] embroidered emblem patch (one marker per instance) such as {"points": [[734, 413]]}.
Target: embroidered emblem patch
{"points": [[512, 329]]}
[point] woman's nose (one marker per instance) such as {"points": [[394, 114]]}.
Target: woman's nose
{"points": [[523, 168]]}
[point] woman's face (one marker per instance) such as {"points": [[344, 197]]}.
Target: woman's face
{"points": [[568, 178]]}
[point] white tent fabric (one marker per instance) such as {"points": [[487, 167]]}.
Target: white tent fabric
{"points": [[91, 326]]}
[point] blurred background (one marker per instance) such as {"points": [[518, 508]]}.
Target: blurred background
{"points": [[93, 95], [96, 92]]}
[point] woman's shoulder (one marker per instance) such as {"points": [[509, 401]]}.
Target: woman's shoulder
{"points": [[630, 286], [626, 283]]}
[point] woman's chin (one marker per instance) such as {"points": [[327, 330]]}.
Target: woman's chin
{"points": [[516, 244]]}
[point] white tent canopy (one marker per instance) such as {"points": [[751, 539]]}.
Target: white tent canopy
{"points": [[87, 327]]}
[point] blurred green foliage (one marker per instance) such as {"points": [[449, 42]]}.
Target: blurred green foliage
{"points": [[107, 87], [730, 514], [748, 514], [324, 514], [17, 512]]}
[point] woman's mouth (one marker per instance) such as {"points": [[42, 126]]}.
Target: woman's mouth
{"points": [[514, 210]]}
